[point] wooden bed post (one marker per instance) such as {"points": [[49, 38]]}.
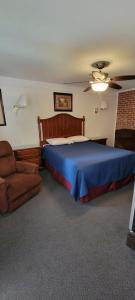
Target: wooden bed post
{"points": [[39, 130], [83, 125]]}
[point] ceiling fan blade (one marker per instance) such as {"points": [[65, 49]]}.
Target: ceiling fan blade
{"points": [[114, 85], [123, 77], [75, 82], [87, 89]]}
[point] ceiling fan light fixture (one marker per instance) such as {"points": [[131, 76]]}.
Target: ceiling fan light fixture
{"points": [[99, 86]]}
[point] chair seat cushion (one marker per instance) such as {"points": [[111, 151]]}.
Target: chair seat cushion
{"points": [[20, 183]]}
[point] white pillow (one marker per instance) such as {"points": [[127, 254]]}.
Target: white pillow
{"points": [[58, 141], [78, 138]]}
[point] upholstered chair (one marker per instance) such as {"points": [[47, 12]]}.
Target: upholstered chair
{"points": [[19, 181]]}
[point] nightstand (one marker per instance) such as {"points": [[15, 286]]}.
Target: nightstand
{"points": [[32, 155], [99, 140]]}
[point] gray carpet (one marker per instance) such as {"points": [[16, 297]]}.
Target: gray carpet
{"points": [[53, 248]]}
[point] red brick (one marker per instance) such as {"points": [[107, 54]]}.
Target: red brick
{"points": [[126, 110]]}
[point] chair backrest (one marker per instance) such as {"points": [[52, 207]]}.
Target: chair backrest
{"points": [[7, 159]]}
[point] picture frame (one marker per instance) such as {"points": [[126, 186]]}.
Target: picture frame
{"points": [[62, 101], [2, 112]]}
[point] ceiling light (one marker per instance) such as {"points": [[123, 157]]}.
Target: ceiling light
{"points": [[99, 86]]}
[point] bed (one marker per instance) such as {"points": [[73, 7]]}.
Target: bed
{"points": [[87, 169]]}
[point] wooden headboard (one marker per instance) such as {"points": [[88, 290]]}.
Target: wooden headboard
{"points": [[60, 125]]}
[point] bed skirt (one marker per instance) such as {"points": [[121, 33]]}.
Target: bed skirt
{"points": [[94, 192]]}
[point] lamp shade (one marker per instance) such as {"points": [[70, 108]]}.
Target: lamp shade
{"points": [[103, 105], [22, 101]]}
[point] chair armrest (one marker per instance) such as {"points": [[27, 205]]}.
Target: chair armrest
{"points": [[3, 195], [26, 167]]}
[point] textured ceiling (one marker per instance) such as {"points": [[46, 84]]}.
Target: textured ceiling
{"points": [[56, 41]]}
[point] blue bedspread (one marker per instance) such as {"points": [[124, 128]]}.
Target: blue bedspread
{"points": [[88, 164]]}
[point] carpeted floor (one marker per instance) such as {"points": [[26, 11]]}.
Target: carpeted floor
{"points": [[53, 248]]}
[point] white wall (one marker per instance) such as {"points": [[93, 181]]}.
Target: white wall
{"points": [[22, 129]]}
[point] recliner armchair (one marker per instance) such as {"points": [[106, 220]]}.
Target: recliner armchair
{"points": [[19, 180]]}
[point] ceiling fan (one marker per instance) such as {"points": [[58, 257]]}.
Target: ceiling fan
{"points": [[100, 81]]}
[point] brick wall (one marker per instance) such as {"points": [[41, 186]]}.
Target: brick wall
{"points": [[126, 110]]}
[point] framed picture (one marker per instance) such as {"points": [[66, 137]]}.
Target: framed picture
{"points": [[2, 113], [62, 101]]}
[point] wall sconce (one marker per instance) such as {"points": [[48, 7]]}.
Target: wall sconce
{"points": [[103, 106], [21, 103]]}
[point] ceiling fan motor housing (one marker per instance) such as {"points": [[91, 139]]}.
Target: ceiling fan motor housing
{"points": [[100, 76]]}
